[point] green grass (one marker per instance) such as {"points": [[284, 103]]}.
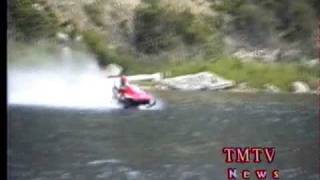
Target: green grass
{"points": [[256, 74]]}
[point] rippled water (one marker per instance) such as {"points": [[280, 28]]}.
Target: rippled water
{"points": [[179, 142]]}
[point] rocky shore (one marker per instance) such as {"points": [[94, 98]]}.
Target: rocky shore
{"points": [[209, 81], [203, 81]]}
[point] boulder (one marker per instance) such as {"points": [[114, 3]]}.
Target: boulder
{"points": [[244, 87], [62, 36], [161, 87], [113, 70], [37, 6], [300, 87], [312, 63], [199, 81], [78, 38], [271, 88], [266, 55], [291, 54]]}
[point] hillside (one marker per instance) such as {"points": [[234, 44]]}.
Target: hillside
{"points": [[169, 33]]}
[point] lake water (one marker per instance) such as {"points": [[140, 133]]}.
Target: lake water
{"points": [[181, 141]]}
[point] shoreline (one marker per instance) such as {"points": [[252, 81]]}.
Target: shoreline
{"points": [[207, 81], [230, 90]]}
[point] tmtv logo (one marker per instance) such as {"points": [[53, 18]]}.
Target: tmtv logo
{"points": [[250, 155]]}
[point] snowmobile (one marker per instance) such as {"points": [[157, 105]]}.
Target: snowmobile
{"points": [[132, 96]]}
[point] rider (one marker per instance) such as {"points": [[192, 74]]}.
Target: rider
{"points": [[123, 85]]}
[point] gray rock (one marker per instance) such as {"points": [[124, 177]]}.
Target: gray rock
{"points": [[243, 87], [312, 63], [291, 54], [78, 38], [300, 87], [62, 36], [161, 87], [37, 6], [271, 88], [199, 81], [113, 70], [266, 55]]}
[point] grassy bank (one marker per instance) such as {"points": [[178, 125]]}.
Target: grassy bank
{"points": [[256, 74]]}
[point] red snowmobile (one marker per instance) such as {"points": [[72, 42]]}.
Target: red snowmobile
{"points": [[132, 96]]}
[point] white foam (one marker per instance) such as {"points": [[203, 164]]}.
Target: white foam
{"points": [[59, 86], [104, 161]]}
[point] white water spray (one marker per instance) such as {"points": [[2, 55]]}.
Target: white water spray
{"points": [[72, 83], [73, 80]]}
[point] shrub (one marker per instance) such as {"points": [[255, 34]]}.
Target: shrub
{"points": [[94, 12], [259, 22], [29, 22], [161, 28], [97, 44]]}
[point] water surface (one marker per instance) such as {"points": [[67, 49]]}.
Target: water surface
{"points": [[179, 142]]}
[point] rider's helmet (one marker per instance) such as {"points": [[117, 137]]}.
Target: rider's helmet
{"points": [[124, 80]]}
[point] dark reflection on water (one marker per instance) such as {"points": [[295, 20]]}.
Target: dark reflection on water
{"points": [[182, 141]]}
